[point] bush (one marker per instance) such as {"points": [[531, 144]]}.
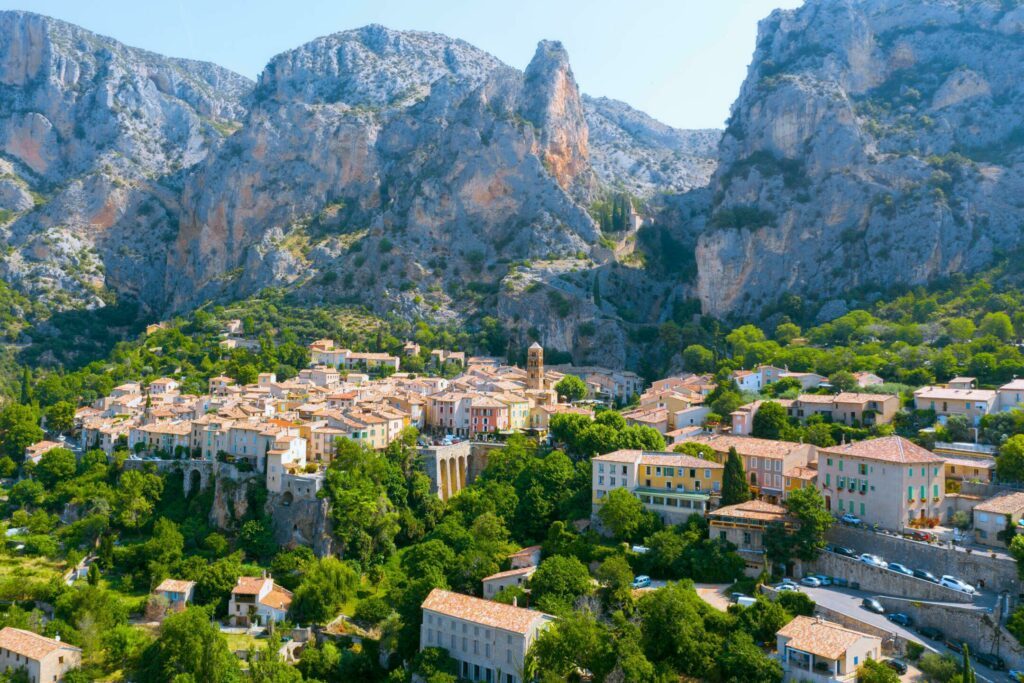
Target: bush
{"points": [[936, 667], [372, 610], [914, 650]]}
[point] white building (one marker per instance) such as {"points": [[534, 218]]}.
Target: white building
{"points": [[488, 640]]}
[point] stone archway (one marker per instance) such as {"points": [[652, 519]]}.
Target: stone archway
{"points": [[196, 477]]}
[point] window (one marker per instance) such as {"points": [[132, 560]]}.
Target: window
{"points": [[693, 474], [828, 480], [600, 479], [722, 535], [862, 508], [829, 461], [746, 538], [935, 472], [657, 471], [910, 493], [910, 471], [935, 490], [707, 474], [862, 468], [623, 469], [923, 494], [840, 465], [753, 463]]}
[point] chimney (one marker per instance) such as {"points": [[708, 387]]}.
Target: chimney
{"points": [[515, 601], [57, 637]]}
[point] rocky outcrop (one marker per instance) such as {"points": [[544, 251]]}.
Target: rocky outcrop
{"points": [[94, 136], [874, 142], [643, 156]]}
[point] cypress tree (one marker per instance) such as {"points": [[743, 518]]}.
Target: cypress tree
{"points": [[734, 480], [26, 387], [968, 674]]}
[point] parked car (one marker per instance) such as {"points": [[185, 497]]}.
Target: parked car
{"points": [[786, 587], [994, 662], [955, 645], [927, 576], [897, 665], [957, 584], [746, 601], [872, 605], [843, 550], [825, 580], [642, 581], [735, 597], [873, 560], [840, 582], [900, 618], [850, 519], [930, 632], [789, 581], [900, 569], [812, 581]]}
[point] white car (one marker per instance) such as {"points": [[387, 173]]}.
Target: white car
{"points": [[873, 560], [957, 585], [812, 581], [851, 519], [642, 581], [786, 587]]}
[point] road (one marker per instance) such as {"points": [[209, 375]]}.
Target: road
{"points": [[847, 601]]}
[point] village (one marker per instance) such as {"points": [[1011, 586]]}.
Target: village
{"points": [[932, 513]]}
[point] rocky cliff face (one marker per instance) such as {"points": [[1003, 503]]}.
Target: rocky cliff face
{"points": [[94, 136], [874, 142], [395, 161], [632, 151]]}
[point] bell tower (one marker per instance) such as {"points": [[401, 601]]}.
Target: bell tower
{"points": [[535, 367]]}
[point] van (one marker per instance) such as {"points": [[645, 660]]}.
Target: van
{"points": [[745, 601]]}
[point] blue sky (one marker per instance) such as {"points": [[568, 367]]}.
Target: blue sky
{"points": [[682, 61]]}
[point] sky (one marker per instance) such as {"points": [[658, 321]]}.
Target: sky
{"points": [[681, 61]]}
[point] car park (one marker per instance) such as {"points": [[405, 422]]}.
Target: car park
{"points": [[873, 560], [897, 665], [812, 581], [850, 519], [642, 581], [927, 576], [900, 618], [957, 584], [900, 569], [994, 662], [872, 605], [930, 632]]}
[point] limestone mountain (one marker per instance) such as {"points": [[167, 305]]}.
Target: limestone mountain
{"points": [[874, 142], [632, 151], [95, 137]]}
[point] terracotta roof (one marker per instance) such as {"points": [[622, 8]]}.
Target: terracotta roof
{"points": [[525, 571], [529, 550], [800, 472], [483, 612], [747, 445], [277, 598], [752, 509], [943, 393], [821, 638], [658, 458], [175, 586], [248, 585], [893, 449], [858, 397], [1008, 504], [30, 645]]}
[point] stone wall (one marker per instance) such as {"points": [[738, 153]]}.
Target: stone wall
{"points": [[979, 628], [884, 581], [998, 573], [302, 521]]}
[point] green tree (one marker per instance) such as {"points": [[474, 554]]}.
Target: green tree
{"points": [[763, 619], [616, 576], [60, 417], [572, 388], [558, 582], [623, 514], [807, 508], [997, 325], [673, 630], [734, 480], [770, 421], [326, 586], [843, 380], [1010, 463], [967, 670], [433, 664], [19, 429], [786, 332], [55, 466], [266, 665], [872, 671], [743, 660], [696, 358], [577, 642], [190, 645]]}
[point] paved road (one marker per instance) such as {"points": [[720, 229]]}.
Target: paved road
{"points": [[847, 601]]}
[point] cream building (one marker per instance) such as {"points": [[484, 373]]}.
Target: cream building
{"points": [[812, 649], [44, 659], [488, 640], [887, 481]]}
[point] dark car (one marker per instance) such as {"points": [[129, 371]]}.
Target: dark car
{"points": [[927, 576], [897, 665], [955, 645], [930, 632], [843, 550], [994, 662], [840, 582], [900, 618], [872, 605]]}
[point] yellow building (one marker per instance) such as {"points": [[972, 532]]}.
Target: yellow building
{"points": [[672, 485], [798, 478]]}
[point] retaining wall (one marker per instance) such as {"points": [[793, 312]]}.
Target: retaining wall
{"points": [[999, 573], [884, 581]]}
